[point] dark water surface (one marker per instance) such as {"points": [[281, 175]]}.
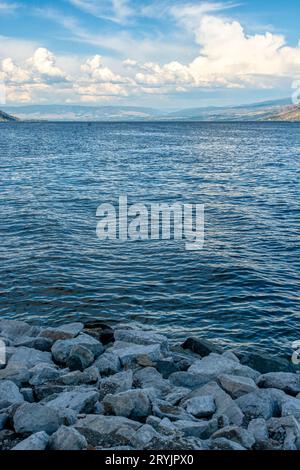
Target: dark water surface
{"points": [[242, 288]]}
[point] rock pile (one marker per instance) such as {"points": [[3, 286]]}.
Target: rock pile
{"points": [[74, 388]]}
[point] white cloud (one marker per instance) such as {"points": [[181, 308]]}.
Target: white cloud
{"points": [[44, 62], [6, 7], [117, 11], [97, 72]]}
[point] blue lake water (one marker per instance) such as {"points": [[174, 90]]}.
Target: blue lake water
{"points": [[242, 288]]}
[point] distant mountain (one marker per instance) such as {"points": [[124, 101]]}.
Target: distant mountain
{"points": [[288, 113], [267, 110], [4, 117]]}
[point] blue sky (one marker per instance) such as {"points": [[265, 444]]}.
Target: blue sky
{"points": [[160, 53]]}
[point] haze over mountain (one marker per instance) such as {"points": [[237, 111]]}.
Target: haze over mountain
{"points": [[267, 110]]}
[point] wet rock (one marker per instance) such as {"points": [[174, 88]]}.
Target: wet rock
{"points": [[37, 441], [108, 363], [61, 349], [107, 431], [100, 331], [236, 434], [201, 346], [214, 365], [264, 363], [80, 358], [29, 357], [66, 438], [117, 383], [134, 404], [144, 338], [288, 382], [80, 400], [34, 417], [237, 386], [9, 394], [68, 331], [201, 406]]}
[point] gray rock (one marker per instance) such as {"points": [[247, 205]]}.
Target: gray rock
{"points": [[166, 367], [28, 357], [187, 380], [153, 421], [201, 407], [144, 338], [116, 383], [107, 431], [42, 344], [67, 331], [291, 407], [15, 328], [201, 346], [230, 355], [43, 373], [18, 374], [163, 409], [214, 365], [166, 427], [143, 436], [89, 376], [177, 442], [286, 381], [3, 420], [131, 354], [80, 400], [237, 386], [149, 377], [224, 403], [200, 429], [177, 395], [37, 441], [9, 394], [258, 428], [265, 363], [108, 363], [222, 443], [61, 349], [236, 434], [134, 404], [261, 404], [284, 432], [80, 358], [27, 394], [34, 417], [66, 438]]}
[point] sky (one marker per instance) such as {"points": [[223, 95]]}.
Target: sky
{"points": [[159, 53]]}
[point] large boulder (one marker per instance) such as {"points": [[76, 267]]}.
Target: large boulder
{"points": [[200, 429], [141, 337], [117, 383], [34, 417], [291, 407], [68, 331], [201, 407], [29, 357], [80, 400], [259, 430], [108, 363], [264, 363], [37, 441], [261, 404], [286, 381], [66, 438], [201, 346], [107, 431], [19, 374], [61, 349], [9, 394], [80, 358], [43, 373], [237, 386], [15, 329], [131, 354], [134, 404], [149, 377], [236, 434]]}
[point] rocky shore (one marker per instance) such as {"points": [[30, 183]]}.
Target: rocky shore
{"points": [[78, 387]]}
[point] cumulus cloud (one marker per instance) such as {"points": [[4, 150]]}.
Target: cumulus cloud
{"points": [[44, 62], [97, 72]]}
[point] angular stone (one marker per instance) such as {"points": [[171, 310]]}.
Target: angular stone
{"points": [[3, 420], [258, 428], [43, 373], [286, 381], [14, 329], [149, 377], [89, 376], [143, 436], [28, 357], [9, 394], [108, 363], [131, 354], [237, 386], [34, 417], [187, 379], [177, 395], [291, 407], [166, 367], [285, 432], [200, 429], [80, 358], [80, 400], [201, 407], [100, 331], [37, 441], [261, 404], [18, 374], [66, 438], [210, 367], [61, 349], [176, 442], [107, 431], [42, 344], [163, 409], [68, 331], [141, 337], [201, 346], [236, 434], [116, 383], [221, 443], [134, 404], [27, 394]]}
